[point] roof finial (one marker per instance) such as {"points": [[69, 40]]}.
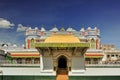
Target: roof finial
{"points": [[42, 25], [42, 28], [82, 25], [89, 28], [55, 26], [82, 29], [62, 29], [69, 26], [95, 28]]}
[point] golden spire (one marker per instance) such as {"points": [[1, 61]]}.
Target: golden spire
{"points": [[62, 29]]}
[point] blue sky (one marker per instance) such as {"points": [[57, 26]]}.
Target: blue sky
{"points": [[105, 14]]}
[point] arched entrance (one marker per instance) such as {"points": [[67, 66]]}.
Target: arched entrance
{"points": [[62, 62], [62, 68]]}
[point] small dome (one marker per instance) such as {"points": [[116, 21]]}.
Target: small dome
{"points": [[89, 28], [14, 45], [54, 29], [70, 29], [95, 28], [82, 29], [42, 29], [29, 28], [36, 28]]}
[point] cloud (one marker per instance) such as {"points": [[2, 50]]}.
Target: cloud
{"points": [[5, 24], [21, 28], [19, 38]]}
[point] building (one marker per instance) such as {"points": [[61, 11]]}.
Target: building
{"points": [[93, 55], [4, 55], [108, 47], [59, 51]]}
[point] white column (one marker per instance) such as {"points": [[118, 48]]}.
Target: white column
{"points": [[23, 61], [41, 63], [92, 61], [32, 60]]}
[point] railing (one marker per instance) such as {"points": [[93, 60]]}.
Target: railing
{"points": [[102, 65], [14, 63], [115, 51], [6, 62], [17, 49]]}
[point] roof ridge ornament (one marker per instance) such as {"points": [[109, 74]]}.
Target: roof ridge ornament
{"points": [[82, 29], [42, 28], [62, 29], [89, 28], [54, 28]]}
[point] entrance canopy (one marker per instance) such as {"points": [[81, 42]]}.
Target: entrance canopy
{"points": [[61, 48], [62, 45], [62, 40]]}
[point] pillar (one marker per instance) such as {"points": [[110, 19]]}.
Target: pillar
{"points": [[23, 60], [32, 60], [41, 62]]}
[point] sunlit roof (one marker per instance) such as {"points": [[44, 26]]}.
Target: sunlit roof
{"points": [[62, 38]]}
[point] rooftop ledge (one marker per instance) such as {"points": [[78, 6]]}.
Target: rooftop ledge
{"points": [[62, 44]]}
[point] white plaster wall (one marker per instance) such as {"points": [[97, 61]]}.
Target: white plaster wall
{"points": [[98, 72], [77, 63], [47, 63], [23, 71], [36, 71]]}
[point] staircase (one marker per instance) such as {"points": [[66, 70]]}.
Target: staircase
{"points": [[62, 74]]}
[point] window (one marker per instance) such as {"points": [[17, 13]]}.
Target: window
{"points": [[28, 61], [36, 61], [19, 61], [92, 43]]}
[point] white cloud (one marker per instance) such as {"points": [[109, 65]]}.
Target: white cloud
{"points": [[5, 23], [21, 28], [12, 38]]}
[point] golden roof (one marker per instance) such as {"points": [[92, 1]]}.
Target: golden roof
{"points": [[62, 38]]}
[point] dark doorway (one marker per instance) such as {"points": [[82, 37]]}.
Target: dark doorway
{"points": [[62, 62]]}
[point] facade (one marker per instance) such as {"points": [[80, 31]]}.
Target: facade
{"points": [[112, 57], [93, 55], [25, 56], [59, 53], [108, 47], [96, 54], [90, 35]]}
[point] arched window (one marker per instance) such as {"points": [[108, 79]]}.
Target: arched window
{"points": [[32, 43], [92, 40], [36, 61], [87, 60], [95, 60], [92, 43], [19, 61], [28, 61]]}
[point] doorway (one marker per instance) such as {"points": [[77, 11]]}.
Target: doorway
{"points": [[62, 62], [62, 72]]}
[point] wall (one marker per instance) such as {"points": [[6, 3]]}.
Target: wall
{"points": [[77, 63], [47, 63]]}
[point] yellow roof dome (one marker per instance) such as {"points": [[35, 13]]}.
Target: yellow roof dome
{"points": [[62, 38]]}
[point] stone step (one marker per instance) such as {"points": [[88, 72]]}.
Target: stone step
{"points": [[62, 77], [62, 74]]}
